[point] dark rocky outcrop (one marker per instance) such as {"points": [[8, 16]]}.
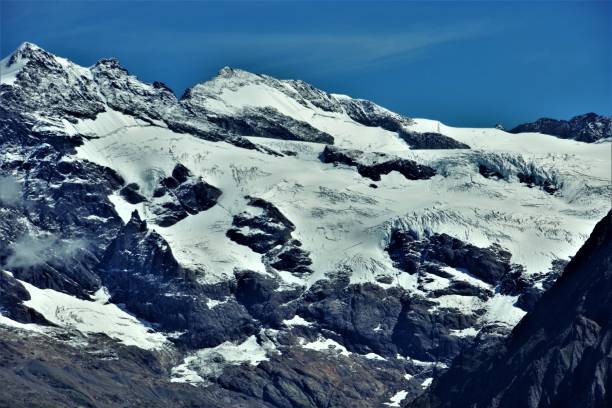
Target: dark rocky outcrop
{"points": [[262, 297], [557, 356], [307, 379], [430, 140], [131, 195], [532, 181], [12, 296], [588, 128], [373, 165], [290, 257], [409, 253], [181, 194], [40, 241], [388, 322], [261, 232], [269, 122], [370, 114], [44, 87], [267, 231]]}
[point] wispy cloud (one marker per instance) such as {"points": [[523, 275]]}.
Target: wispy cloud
{"points": [[340, 51], [30, 251], [322, 52]]}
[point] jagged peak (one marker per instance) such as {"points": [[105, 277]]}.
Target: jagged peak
{"points": [[229, 72], [110, 63], [136, 223], [13, 64], [27, 50], [26, 45]]}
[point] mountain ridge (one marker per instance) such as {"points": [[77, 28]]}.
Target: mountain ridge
{"points": [[254, 261], [588, 127]]}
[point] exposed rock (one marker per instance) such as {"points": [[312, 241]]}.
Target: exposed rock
{"points": [[125, 93], [373, 165], [140, 271], [588, 128], [409, 253], [526, 173], [262, 230], [308, 379], [131, 195], [12, 295], [290, 257], [46, 87], [268, 122], [370, 114], [267, 231], [182, 194], [263, 298], [557, 356], [430, 140], [38, 372]]}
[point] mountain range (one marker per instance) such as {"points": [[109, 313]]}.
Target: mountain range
{"points": [[262, 243]]}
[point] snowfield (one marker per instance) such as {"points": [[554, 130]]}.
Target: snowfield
{"points": [[344, 222]]}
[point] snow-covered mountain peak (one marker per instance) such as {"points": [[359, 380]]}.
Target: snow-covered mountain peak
{"points": [[26, 54], [230, 72], [228, 223], [28, 50]]}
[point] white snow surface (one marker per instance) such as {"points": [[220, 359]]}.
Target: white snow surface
{"points": [[339, 218], [208, 363], [395, 400], [297, 321], [343, 222], [425, 384], [325, 345], [92, 317]]}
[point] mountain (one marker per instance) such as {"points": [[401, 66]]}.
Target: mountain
{"points": [[260, 242], [588, 128], [560, 361]]}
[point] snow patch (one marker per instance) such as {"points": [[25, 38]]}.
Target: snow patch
{"points": [[395, 400], [327, 345], [92, 317], [209, 363], [297, 321]]}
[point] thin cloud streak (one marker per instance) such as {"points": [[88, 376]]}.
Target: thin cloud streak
{"points": [[324, 53]]}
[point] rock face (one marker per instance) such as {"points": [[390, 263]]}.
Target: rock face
{"points": [[40, 373], [268, 122], [374, 165], [430, 140], [267, 231], [181, 194], [489, 264], [588, 128], [141, 272], [558, 355]]}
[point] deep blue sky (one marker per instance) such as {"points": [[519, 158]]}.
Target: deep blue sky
{"points": [[465, 63]]}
